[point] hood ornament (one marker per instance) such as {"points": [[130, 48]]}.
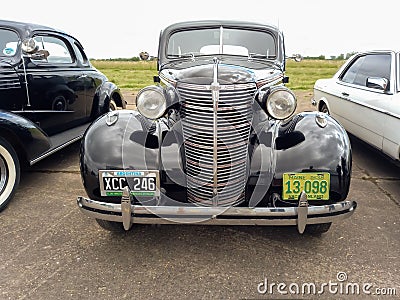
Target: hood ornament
{"points": [[320, 119]]}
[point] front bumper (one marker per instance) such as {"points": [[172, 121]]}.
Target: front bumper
{"points": [[301, 215]]}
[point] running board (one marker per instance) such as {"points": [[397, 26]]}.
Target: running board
{"points": [[62, 140]]}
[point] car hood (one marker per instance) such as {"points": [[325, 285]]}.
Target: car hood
{"points": [[228, 73]]}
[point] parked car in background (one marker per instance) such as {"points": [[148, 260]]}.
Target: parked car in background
{"points": [[49, 94], [364, 96], [216, 140]]}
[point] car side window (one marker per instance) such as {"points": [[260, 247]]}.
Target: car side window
{"points": [[80, 54], [8, 42], [56, 48], [371, 65]]}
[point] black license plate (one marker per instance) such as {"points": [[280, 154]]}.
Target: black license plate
{"points": [[140, 183]]}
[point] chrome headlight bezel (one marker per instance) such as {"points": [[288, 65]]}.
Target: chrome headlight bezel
{"points": [[151, 102], [280, 103]]}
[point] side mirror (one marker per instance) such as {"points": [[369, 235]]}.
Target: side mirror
{"points": [[29, 46], [379, 83]]}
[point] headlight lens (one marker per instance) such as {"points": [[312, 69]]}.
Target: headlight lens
{"points": [[151, 102], [281, 103]]}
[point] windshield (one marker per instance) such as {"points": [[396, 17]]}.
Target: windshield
{"points": [[221, 40], [8, 42]]}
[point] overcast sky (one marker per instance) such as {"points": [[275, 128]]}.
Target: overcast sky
{"points": [[117, 28]]}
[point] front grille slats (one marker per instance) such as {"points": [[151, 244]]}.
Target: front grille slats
{"points": [[234, 118]]}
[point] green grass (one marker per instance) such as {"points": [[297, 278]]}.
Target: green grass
{"points": [[303, 75], [134, 75]]}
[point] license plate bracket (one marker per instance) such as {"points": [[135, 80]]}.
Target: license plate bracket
{"points": [[316, 185]]}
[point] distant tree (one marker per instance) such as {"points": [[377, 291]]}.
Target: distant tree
{"points": [[348, 55], [340, 57]]}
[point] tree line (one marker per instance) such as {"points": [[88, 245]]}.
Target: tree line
{"points": [[151, 58]]}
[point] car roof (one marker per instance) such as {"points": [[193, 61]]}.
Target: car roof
{"points": [[26, 28], [377, 51], [213, 23], [19, 24], [167, 31]]}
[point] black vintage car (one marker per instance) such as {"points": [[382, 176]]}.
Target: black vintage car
{"points": [[49, 94], [216, 141]]}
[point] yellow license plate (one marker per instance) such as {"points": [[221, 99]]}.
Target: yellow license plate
{"points": [[316, 185]]}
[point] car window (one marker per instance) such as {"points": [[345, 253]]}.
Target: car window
{"points": [[57, 50], [221, 41], [371, 65], [8, 42], [80, 54]]}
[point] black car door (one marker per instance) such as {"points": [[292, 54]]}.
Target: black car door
{"points": [[12, 94], [92, 79], [56, 85]]}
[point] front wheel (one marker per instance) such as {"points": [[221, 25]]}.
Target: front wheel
{"points": [[9, 173]]}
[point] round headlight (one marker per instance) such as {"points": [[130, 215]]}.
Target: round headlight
{"points": [[281, 103], [151, 102]]}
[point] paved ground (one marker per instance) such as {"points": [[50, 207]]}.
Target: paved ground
{"points": [[49, 250]]}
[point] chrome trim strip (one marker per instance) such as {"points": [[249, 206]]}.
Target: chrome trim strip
{"points": [[385, 112], [33, 161], [26, 81], [221, 40], [215, 88], [41, 111], [217, 215]]}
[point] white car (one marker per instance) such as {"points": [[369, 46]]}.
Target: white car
{"points": [[364, 96]]}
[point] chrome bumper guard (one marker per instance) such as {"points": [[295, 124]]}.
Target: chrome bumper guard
{"points": [[301, 215]]}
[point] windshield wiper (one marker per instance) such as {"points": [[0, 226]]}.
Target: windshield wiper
{"points": [[183, 55], [258, 55], [262, 57]]}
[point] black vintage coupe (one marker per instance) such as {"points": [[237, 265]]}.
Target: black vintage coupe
{"points": [[49, 94], [215, 140]]}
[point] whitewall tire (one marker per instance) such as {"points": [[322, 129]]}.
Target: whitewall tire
{"points": [[9, 173]]}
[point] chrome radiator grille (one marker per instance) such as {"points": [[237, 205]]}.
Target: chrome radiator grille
{"points": [[233, 119]]}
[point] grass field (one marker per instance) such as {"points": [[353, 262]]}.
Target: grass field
{"points": [[303, 75], [131, 75]]}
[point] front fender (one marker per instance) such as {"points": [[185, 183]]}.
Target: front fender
{"points": [[24, 135], [315, 142], [105, 93], [121, 139]]}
